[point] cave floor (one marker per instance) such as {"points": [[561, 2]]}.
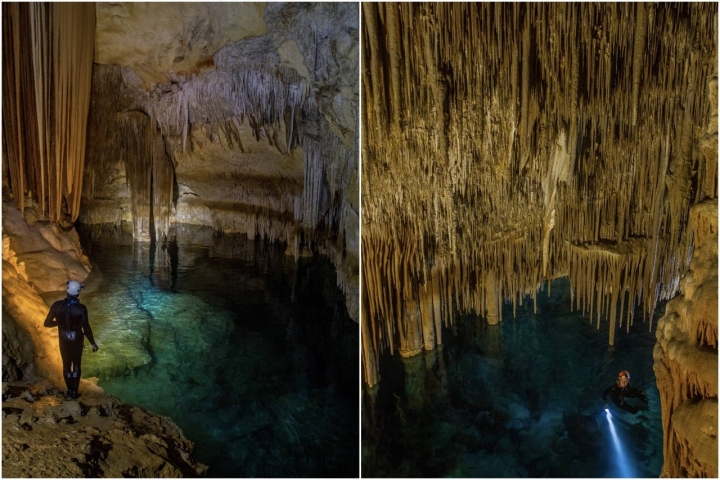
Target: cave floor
{"points": [[518, 399], [252, 355]]}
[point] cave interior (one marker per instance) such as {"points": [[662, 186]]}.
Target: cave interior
{"points": [[183, 131], [510, 145]]}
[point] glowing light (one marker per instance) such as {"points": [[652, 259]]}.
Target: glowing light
{"points": [[621, 461]]}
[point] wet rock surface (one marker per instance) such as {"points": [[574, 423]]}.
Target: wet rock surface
{"points": [[47, 435]]}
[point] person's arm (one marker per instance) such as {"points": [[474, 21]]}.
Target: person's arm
{"points": [[606, 393], [51, 320], [87, 331], [639, 394]]}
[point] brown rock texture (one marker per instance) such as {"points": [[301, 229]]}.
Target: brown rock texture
{"points": [[45, 435], [686, 357], [161, 40], [38, 258], [505, 145], [43, 252]]}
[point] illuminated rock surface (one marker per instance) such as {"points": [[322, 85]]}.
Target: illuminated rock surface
{"points": [[686, 360], [96, 435], [38, 258], [162, 40]]}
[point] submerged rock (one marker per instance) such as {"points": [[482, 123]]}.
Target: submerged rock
{"points": [[94, 436]]}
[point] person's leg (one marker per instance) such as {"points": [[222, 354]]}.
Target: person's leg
{"points": [[76, 358], [66, 355]]}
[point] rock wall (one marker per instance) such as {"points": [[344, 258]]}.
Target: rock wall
{"points": [[39, 256], [686, 357]]}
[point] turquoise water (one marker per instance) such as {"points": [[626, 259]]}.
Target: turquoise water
{"points": [[251, 354], [518, 399]]}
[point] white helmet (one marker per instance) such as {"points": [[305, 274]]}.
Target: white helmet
{"points": [[74, 287]]}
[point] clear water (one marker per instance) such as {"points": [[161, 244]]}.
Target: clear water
{"points": [[518, 399], [252, 355]]}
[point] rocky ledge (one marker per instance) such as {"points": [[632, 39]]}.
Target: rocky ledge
{"points": [[46, 435]]}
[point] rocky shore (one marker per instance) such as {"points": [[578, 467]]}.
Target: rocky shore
{"points": [[97, 435], [43, 433]]}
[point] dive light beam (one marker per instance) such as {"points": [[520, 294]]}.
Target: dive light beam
{"points": [[622, 463]]}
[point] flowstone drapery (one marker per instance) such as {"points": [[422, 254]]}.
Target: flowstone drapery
{"points": [[47, 63], [508, 144]]}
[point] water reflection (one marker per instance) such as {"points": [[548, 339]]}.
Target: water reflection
{"points": [[251, 354], [517, 399]]}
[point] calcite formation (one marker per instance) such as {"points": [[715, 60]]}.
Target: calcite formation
{"points": [[242, 117], [252, 128], [686, 357], [505, 145], [47, 64]]}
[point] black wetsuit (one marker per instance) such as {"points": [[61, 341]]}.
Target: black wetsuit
{"points": [[619, 394], [71, 318]]}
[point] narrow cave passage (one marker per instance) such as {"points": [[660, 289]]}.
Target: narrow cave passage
{"points": [[251, 354], [522, 398]]}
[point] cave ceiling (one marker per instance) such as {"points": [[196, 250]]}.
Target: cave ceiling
{"points": [[249, 100], [509, 144], [162, 40]]}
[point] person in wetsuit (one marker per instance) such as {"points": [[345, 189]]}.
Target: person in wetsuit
{"points": [[71, 318], [621, 390]]}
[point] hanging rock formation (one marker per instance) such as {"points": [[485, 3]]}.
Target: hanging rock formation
{"points": [[47, 64], [242, 117], [686, 357], [505, 145]]}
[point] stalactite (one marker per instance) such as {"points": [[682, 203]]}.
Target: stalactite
{"points": [[47, 60], [474, 179], [163, 176], [137, 153]]}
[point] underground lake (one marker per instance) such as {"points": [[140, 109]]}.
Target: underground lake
{"points": [[522, 398], [252, 354]]}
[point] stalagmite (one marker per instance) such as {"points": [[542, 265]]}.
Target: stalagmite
{"points": [[531, 145]]}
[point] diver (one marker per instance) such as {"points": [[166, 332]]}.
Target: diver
{"points": [[621, 390], [71, 318]]}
